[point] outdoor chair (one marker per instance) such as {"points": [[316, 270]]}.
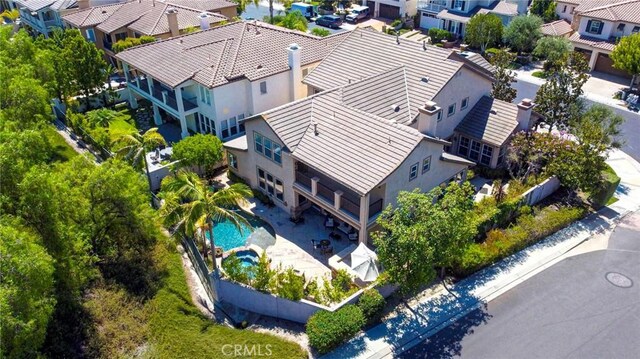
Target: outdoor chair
{"points": [[329, 223], [353, 237]]}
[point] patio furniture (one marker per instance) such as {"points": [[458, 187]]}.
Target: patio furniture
{"points": [[327, 250], [335, 236], [315, 244], [325, 243], [353, 237], [329, 223]]}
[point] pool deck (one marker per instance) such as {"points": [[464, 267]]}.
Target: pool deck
{"points": [[293, 246]]}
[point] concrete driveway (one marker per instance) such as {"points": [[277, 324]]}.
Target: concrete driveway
{"points": [[586, 306], [604, 85]]}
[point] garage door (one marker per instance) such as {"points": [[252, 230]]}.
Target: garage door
{"points": [[389, 12], [586, 53], [605, 64], [372, 6]]}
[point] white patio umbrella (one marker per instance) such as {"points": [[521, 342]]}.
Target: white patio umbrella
{"points": [[261, 238], [364, 262]]}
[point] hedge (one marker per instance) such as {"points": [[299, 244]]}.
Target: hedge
{"points": [[327, 330], [608, 186], [371, 303]]}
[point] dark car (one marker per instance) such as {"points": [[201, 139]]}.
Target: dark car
{"points": [[331, 21]]}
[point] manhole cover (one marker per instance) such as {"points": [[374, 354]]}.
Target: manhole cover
{"points": [[619, 280]]}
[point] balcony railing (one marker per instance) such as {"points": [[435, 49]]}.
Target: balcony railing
{"points": [[169, 99], [304, 180], [375, 207], [432, 7]]}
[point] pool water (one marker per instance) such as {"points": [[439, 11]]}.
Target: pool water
{"points": [[227, 236], [248, 258]]}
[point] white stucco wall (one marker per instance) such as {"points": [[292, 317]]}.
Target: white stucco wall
{"points": [[566, 15], [278, 92], [439, 172], [464, 84], [606, 29]]}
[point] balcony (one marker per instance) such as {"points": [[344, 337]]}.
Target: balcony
{"points": [[326, 189], [431, 6], [168, 99]]}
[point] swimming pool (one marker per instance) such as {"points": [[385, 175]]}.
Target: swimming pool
{"points": [[227, 236], [248, 257]]}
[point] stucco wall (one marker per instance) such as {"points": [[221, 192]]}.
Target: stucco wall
{"points": [[567, 14], [278, 92], [465, 83], [606, 29], [440, 171]]}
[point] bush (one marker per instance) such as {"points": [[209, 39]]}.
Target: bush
{"points": [[289, 285], [437, 35], [320, 32], [540, 74], [396, 23], [607, 188], [371, 303], [233, 268], [327, 330], [263, 198]]}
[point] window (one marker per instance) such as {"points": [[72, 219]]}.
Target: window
{"points": [[267, 147], [233, 125], [487, 152], [439, 116], [91, 35], [635, 29], [594, 27], [463, 147], [277, 153], [621, 27], [241, 123], [474, 151], [271, 184], [207, 125], [121, 36], [426, 165], [503, 149], [413, 172], [205, 95], [225, 129], [258, 139], [458, 5], [263, 87], [564, 9], [451, 110], [232, 159], [464, 103]]}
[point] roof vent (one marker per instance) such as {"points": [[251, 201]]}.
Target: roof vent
{"points": [[425, 79], [397, 38], [259, 67], [493, 112], [424, 45], [315, 128], [395, 108], [104, 11]]}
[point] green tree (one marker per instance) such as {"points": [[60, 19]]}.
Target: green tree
{"points": [[523, 33], [289, 284], [242, 4], [263, 274], [554, 48], [501, 87], [626, 56], [194, 202], [424, 230], [128, 42], [546, 9], [203, 151], [558, 99], [271, 2], [26, 292], [294, 20], [25, 104], [483, 31], [86, 62]]}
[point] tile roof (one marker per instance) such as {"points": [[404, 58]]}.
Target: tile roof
{"points": [[556, 28], [505, 8], [628, 11], [155, 21], [584, 5], [490, 120], [35, 5], [205, 5], [366, 51], [91, 16], [357, 148], [498, 7], [224, 53], [571, 2], [126, 14], [608, 45]]}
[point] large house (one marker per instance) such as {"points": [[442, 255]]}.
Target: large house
{"points": [[105, 25], [386, 115], [599, 25], [453, 15], [391, 9], [211, 81]]}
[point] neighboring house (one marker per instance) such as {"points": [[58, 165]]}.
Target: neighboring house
{"points": [[560, 28], [105, 25], [391, 9], [453, 15], [565, 8], [599, 25], [211, 81], [387, 114]]}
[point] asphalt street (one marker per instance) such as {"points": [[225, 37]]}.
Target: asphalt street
{"points": [[630, 128], [260, 11], [586, 306]]}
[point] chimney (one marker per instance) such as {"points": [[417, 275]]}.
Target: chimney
{"points": [[294, 62], [172, 18], [428, 118], [525, 108], [204, 20], [83, 4]]}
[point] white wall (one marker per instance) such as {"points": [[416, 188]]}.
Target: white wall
{"points": [[278, 92], [567, 15], [440, 171], [464, 84], [606, 29]]}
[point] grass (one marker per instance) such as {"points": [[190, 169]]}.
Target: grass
{"points": [[62, 151], [120, 126], [178, 329], [612, 200], [540, 74]]}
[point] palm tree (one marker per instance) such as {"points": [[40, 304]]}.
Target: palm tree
{"points": [[190, 205], [133, 147]]}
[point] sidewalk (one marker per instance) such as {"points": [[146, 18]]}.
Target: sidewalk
{"points": [[424, 316], [596, 89]]}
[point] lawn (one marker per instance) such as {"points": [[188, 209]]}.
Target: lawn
{"points": [[62, 152], [120, 126], [179, 330]]}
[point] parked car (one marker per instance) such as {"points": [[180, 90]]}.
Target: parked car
{"points": [[358, 13], [331, 21], [305, 9]]}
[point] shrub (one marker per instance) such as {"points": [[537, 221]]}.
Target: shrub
{"points": [[437, 35], [607, 188], [290, 285], [492, 51], [371, 303], [236, 179], [263, 274], [327, 330], [232, 266], [320, 32], [396, 23]]}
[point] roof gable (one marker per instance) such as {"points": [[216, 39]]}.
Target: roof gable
{"points": [[490, 120]]}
